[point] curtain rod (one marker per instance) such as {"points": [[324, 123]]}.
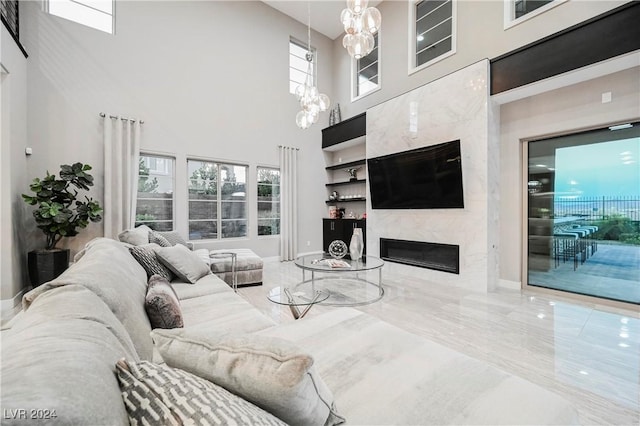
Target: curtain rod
{"points": [[102, 114], [288, 147]]}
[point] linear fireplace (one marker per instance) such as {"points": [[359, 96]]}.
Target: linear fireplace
{"points": [[440, 257]]}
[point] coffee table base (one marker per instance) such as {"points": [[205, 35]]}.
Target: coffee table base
{"points": [[345, 291]]}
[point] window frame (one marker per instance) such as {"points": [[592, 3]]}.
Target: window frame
{"points": [[218, 219], [295, 41], [272, 202], [47, 9], [173, 187], [354, 74], [510, 19], [413, 67]]}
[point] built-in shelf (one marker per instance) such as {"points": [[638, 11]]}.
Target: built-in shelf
{"points": [[346, 130], [346, 200], [347, 165], [345, 183]]}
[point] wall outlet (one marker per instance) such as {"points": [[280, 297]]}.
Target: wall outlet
{"points": [[606, 97], [308, 243]]}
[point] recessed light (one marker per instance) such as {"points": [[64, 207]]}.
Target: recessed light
{"points": [[623, 345], [540, 315], [584, 373]]}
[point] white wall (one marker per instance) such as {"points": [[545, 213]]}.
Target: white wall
{"points": [[480, 35], [13, 119], [210, 79], [567, 110]]}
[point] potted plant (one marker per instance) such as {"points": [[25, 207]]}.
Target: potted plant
{"points": [[59, 214]]}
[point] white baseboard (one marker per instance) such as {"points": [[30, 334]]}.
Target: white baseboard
{"points": [[271, 259], [310, 252], [512, 285]]}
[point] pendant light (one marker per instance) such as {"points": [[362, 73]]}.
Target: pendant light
{"points": [[311, 100], [360, 23]]}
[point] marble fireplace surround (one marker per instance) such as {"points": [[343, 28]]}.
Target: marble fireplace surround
{"points": [[456, 106]]}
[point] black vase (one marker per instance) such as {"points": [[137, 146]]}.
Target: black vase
{"points": [[46, 265]]}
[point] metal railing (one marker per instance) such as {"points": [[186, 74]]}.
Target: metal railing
{"points": [[599, 208]]}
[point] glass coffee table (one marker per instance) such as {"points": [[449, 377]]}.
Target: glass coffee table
{"points": [[348, 282], [297, 298]]}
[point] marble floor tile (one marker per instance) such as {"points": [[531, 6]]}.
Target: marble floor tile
{"points": [[590, 354]]}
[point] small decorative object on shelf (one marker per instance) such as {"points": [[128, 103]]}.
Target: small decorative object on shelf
{"points": [[338, 249], [334, 195], [357, 245], [337, 117], [332, 117], [352, 173]]}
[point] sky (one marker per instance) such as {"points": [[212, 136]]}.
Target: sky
{"points": [[602, 169]]}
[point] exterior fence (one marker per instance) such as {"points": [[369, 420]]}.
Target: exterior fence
{"points": [[599, 208]]}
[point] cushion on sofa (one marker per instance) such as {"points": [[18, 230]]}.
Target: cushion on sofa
{"points": [[162, 304], [74, 302], [158, 394], [226, 311], [209, 284], [135, 236], [146, 256], [159, 239], [174, 237], [183, 262], [109, 271], [272, 373], [60, 357]]}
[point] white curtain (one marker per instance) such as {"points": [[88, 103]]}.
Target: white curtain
{"points": [[288, 203], [121, 156]]}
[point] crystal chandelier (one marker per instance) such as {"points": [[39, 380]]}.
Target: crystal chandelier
{"points": [[311, 100], [360, 23]]}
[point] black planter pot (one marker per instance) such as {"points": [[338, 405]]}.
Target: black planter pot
{"points": [[46, 265]]}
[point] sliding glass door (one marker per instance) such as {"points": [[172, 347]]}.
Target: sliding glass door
{"points": [[583, 208]]}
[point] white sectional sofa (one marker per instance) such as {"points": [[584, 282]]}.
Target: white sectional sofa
{"points": [[60, 354]]}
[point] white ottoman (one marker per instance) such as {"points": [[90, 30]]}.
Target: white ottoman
{"points": [[248, 267]]}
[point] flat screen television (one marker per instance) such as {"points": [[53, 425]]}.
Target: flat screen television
{"points": [[423, 178]]}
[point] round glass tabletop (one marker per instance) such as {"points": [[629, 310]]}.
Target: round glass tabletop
{"points": [[324, 263]]}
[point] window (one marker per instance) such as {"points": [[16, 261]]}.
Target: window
{"points": [[516, 11], [268, 201], [217, 200], [583, 202], [298, 65], [96, 14], [433, 37], [10, 16], [367, 77], [154, 206]]}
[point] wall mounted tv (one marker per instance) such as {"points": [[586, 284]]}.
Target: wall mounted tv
{"points": [[423, 178]]}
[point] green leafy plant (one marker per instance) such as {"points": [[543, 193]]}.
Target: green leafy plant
{"points": [[59, 213]]}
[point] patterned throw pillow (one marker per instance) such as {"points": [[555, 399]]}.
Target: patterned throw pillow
{"points": [[174, 237], [146, 257], [186, 264], [158, 239], [162, 304], [158, 394]]}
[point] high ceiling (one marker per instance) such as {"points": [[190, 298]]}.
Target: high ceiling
{"points": [[325, 14]]}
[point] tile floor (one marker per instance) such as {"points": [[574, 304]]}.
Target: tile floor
{"points": [[590, 354]]}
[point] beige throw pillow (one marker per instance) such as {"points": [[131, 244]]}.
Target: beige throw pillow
{"points": [[158, 395], [135, 236], [183, 262], [270, 372]]}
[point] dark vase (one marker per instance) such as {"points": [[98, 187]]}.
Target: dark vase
{"points": [[46, 265]]}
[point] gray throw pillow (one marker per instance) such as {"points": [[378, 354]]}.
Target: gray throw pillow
{"points": [[162, 304], [159, 239], [272, 373], [147, 258], [183, 262], [174, 237], [157, 394]]}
